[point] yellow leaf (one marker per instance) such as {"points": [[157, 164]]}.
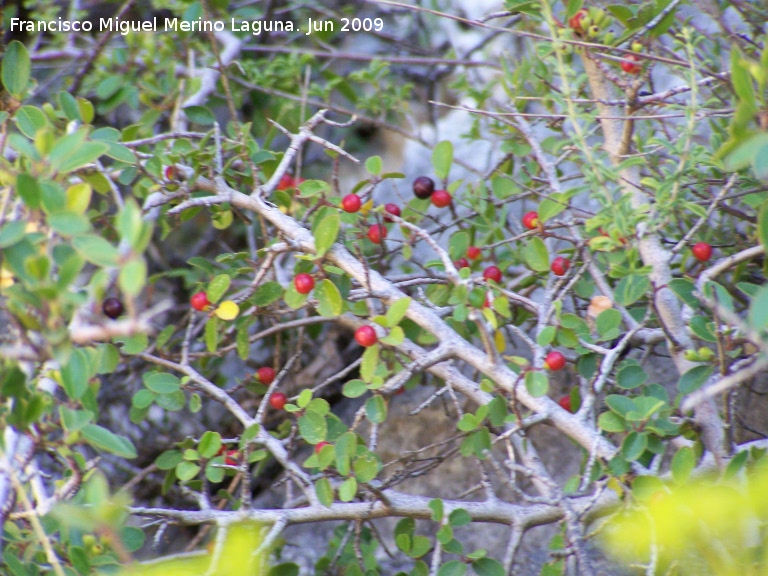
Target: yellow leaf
{"points": [[365, 208], [79, 197], [227, 310], [501, 344], [6, 278]]}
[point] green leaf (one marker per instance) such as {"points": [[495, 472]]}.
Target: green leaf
{"points": [[703, 328], [73, 157], [459, 517], [608, 322], [329, 302], [631, 376], [11, 233], [621, 405], [284, 569], [74, 420], [536, 255], [546, 336], [354, 388], [758, 309], [211, 335], [458, 244], [684, 289], [634, 445], [442, 158], [396, 311], [325, 231], [268, 293], [313, 427], [348, 490], [683, 463], [536, 383], [103, 439], [762, 226], [133, 276], [488, 567], [395, 337], [366, 467], [694, 378], [218, 287], [374, 165], [16, 67], [210, 443], [611, 422], [96, 250], [143, 399], [199, 115], [186, 471], [376, 409], [631, 288], [369, 363], [74, 375], [346, 446], [69, 223], [420, 546], [29, 120], [28, 189], [452, 568], [436, 506], [169, 459], [305, 397], [162, 383], [324, 492]]}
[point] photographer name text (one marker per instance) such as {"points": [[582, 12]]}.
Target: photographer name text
{"points": [[155, 24]]}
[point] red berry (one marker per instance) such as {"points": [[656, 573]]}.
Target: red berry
{"points": [[199, 301], [266, 375], [492, 273], [560, 266], [278, 400], [630, 64], [702, 251], [377, 233], [531, 220], [574, 22], [473, 253], [320, 445], [441, 198], [231, 459], [304, 283], [565, 403], [366, 336], [112, 308], [351, 203], [462, 263], [393, 209], [423, 187], [554, 361], [286, 182], [170, 172]]}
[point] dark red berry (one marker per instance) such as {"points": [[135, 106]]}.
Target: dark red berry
{"points": [[112, 308], [492, 273], [565, 403], [393, 209], [423, 187], [266, 375], [462, 263], [320, 445]]}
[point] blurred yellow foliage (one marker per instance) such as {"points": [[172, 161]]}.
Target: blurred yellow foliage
{"points": [[705, 526], [233, 556]]}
